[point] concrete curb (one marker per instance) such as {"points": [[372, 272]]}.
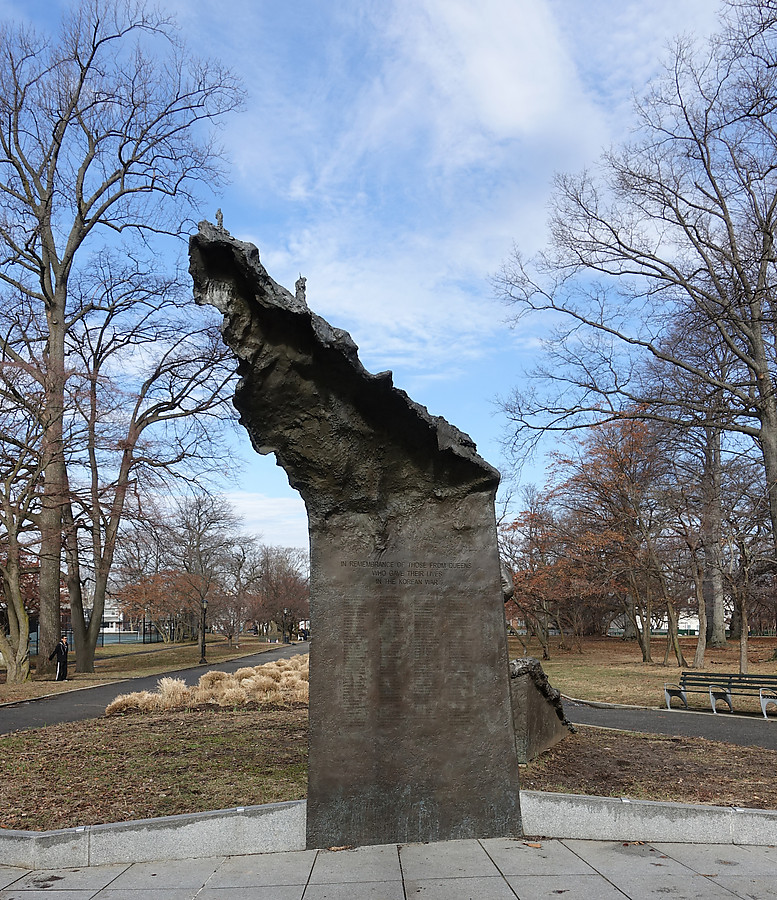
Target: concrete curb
{"points": [[622, 819], [602, 704], [279, 827], [272, 828]]}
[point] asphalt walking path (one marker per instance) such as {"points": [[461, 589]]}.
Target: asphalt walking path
{"points": [[734, 728], [90, 702], [493, 869]]}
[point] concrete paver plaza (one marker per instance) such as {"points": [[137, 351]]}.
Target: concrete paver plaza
{"points": [[494, 869]]}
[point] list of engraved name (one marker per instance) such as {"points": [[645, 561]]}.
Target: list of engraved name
{"points": [[406, 572]]}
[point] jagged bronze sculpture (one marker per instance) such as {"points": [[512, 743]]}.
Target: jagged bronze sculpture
{"points": [[411, 734]]}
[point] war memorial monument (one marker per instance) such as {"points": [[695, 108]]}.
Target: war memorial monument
{"points": [[411, 726]]}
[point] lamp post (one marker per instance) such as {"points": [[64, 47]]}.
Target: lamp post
{"points": [[203, 661]]}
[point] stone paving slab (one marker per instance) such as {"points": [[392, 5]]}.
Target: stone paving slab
{"points": [[363, 890], [180, 874], [9, 894], [751, 888], [689, 887], [449, 859], [135, 894], [264, 869], [492, 887], [514, 856], [635, 860], [380, 863], [565, 887], [89, 878], [721, 859], [9, 874], [273, 892]]}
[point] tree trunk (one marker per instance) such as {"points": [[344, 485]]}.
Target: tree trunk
{"points": [[672, 634], [701, 643], [711, 524], [768, 432], [735, 628], [541, 634], [742, 605], [54, 488], [563, 645], [643, 633], [86, 636], [15, 647], [630, 630], [75, 594]]}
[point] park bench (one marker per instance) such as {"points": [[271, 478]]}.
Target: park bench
{"points": [[723, 686]]}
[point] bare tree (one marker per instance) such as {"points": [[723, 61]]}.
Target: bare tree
{"points": [[102, 135], [240, 584], [20, 490], [204, 528], [680, 223], [150, 379]]}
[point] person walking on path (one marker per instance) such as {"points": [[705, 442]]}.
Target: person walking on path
{"points": [[60, 651]]}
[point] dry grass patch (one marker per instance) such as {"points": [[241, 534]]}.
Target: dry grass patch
{"points": [[281, 681], [118, 662]]}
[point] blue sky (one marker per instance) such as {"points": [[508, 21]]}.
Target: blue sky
{"points": [[392, 152]]}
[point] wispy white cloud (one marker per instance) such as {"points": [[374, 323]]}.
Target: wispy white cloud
{"points": [[399, 208], [425, 146], [275, 521]]}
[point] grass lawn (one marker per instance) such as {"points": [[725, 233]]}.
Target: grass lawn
{"points": [[607, 763], [151, 764], [142, 765]]}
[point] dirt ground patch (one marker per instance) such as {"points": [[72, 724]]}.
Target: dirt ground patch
{"points": [[655, 767], [142, 765]]}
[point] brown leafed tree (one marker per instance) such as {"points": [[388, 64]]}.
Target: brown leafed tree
{"points": [[282, 596], [613, 482], [169, 599]]}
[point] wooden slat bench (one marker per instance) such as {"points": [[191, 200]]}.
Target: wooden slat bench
{"points": [[723, 686]]}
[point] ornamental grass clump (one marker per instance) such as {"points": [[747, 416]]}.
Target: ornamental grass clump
{"points": [[173, 694], [143, 701], [281, 681], [211, 679], [245, 672]]}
